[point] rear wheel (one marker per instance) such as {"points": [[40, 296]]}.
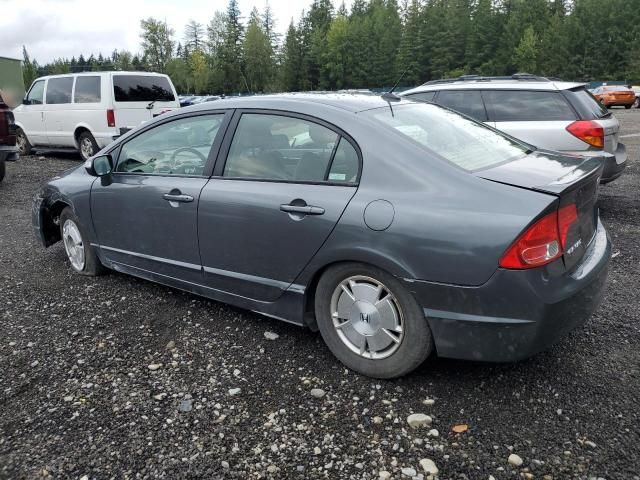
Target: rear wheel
{"points": [[87, 145], [370, 322], [637, 103], [80, 253], [22, 142]]}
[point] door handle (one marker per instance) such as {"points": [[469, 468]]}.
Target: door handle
{"points": [[302, 210], [170, 197]]}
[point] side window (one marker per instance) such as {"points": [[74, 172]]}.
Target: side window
{"points": [[422, 97], [345, 163], [523, 106], [180, 147], [59, 90], [87, 90], [468, 102], [36, 94], [277, 147]]}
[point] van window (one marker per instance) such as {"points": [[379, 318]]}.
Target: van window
{"points": [[523, 106], [142, 88], [36, 94], [59, 90], [87, 90]]}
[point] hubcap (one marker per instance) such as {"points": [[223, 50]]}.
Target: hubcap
{"points": [[367, 317], [21, 143], [86, 148], [73, 244]]}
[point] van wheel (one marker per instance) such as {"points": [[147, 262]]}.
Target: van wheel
{"points": [[22, 142], [370, 321], [3, 168], [87, 145]]}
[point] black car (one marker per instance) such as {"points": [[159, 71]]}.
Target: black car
{"points": [[8, 150]]}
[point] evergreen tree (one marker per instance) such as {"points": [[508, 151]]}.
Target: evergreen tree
{"points": [[157, 43], [291, 61], [194, 35]]}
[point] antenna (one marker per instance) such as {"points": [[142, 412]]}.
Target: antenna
{"points": [[390, 96]]}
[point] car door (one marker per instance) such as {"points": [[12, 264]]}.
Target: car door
{"points": [[58, 111], [539, 118], [279, 188], [145, 212], [31, 114]]}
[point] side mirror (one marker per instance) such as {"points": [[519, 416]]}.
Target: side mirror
{"points": [[99, 166], [26, 101]]}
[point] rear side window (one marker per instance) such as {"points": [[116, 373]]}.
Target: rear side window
{"points": [[283, 148], [527, 106], [586, 105], [468, 102], [422, 97], [142, 88], [59, 90], [87, 90]]}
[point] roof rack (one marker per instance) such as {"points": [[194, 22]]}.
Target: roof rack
{"points": [[480, 78]]}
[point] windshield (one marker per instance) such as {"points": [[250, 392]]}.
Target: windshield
{"points": [[460, 140]]}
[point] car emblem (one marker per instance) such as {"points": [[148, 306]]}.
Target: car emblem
{"points": [[364, 317]]}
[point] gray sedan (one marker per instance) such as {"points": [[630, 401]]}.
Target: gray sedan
{"points": [[397, 229]]}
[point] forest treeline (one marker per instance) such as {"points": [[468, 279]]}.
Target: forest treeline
{"points": [[373, 42]]}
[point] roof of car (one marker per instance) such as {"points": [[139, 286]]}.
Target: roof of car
{"points": [[110, 72], [497, 83], [349, 101]]}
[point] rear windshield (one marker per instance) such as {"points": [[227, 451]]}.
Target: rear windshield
{"points": [[462, 141], [586, 105], [142, 88]]}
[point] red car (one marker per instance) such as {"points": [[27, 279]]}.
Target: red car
{"points": [[8, 150], [612, 95]]}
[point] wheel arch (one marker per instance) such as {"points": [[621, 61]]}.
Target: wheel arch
{"points": [[49, 221], [80, 128]]}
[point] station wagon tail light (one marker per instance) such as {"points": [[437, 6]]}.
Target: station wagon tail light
{"points": [[111, 118], [588, 131], [542, 242]]}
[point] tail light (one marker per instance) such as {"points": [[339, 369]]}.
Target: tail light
{"points": [[542, 242], [588, 131], [111, 118]]}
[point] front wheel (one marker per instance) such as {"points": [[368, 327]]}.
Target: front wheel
{"points": [[627, 107], [87, 146], [370, 322], [80, 253], [22, 142]]}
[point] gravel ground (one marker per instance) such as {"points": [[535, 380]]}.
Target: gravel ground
{"points": [[114, 377]]}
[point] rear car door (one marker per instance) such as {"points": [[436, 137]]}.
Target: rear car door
{"points": [[58, 111], [139, 98], [145, 213], [539, 118], [31, 114], [280, 186]]}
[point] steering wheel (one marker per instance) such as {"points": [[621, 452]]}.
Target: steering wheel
{"points": [[187, 149]]}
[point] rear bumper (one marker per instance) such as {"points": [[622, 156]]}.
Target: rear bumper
{"points": [[614, 163], [8, 154], [516, 314]]}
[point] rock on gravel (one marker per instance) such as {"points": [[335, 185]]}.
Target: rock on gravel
{"points": [[317, 393], [271, 335], [515, 460], [409, 472], [429, 466], [154, 366], [417, 420], [384, 475], [234, 391]]}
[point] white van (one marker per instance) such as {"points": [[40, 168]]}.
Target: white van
{"points": [[87, 111]]}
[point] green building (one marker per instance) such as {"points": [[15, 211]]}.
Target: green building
{"points": [[11, 77]]}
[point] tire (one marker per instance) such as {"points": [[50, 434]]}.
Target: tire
{"points": [[22, 142], [87, 146], [3, 169], [408, 346], [74, 236], [627, 107]]}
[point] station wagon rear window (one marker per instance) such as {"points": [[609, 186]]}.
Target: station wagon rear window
{"points": [[463, 142], [142, 88]]}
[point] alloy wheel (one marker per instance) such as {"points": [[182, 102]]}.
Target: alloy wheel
{"points": [[86, 148], [73, 244], [367, 317]]}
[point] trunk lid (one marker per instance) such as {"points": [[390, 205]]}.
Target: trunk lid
{"points": [[574, 179]]}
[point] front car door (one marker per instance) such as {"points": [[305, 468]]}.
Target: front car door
{"points": [[145, 212], [272, 204], [31, 114]]}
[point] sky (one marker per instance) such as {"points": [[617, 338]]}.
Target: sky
{"points": [[52, 29]]}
